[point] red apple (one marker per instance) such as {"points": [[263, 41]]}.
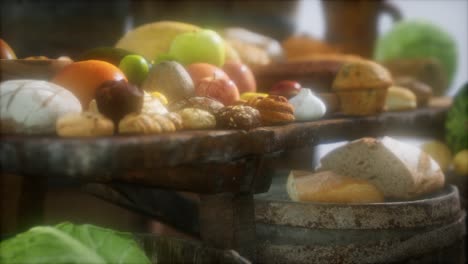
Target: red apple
{"points": [[286, 88], [6, 52], [219, 89], [202, 70], [241, 75]]}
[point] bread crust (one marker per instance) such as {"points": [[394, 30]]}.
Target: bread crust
{"points": [[399, 170], [238, 117], [273, 109], [329, 187]]}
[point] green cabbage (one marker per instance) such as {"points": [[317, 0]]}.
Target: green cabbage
{"points": [[456, 124], [68, 243], [415, 39]]}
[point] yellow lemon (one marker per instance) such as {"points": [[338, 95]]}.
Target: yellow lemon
{"points": [[460, 162], [439, 152]]}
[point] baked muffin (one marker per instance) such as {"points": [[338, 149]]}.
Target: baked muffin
{"points": [[238, 117], [273, 109], [362, 87]]}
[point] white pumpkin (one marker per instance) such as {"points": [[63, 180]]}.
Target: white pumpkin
{"points": [[32, 106], [307, 106]]}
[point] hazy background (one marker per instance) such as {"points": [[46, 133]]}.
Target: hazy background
{"points": [[451, 15]]}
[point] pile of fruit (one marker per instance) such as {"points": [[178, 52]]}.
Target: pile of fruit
{"points": [[139, 86]]}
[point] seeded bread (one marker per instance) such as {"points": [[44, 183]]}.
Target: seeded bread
{"points": [[399, 170], [329, 187]]}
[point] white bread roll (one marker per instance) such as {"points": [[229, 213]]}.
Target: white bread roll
{"points": [[32, 107], [399, 170], [329, 187], [400, 98]]}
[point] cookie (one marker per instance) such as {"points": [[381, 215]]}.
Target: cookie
{"points": [[238, 117], [85, 124]]}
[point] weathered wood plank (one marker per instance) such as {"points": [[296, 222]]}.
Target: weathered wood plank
{"points": [[197, 160]]}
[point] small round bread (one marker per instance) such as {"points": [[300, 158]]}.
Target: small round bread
{"points": [[194, 118], [198, 102], [143, 123], [273, 109], [422, 91], [238, 117], [400, 98], [84, 124]]}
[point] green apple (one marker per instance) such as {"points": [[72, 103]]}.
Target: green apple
{"points": [[200, 46], [135, 68]]}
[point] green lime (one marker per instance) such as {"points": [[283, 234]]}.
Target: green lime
{"points": [[135, 67]]}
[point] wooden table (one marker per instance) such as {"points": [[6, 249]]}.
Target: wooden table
{"points": [[225, 167]]}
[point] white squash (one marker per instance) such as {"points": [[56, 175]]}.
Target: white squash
{"points": [[32, 106]]}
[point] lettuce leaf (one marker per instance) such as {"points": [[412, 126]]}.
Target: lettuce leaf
{"points": [[46, 245], [69, 243], [113, 246]]}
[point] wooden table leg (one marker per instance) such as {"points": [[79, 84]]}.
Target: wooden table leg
{"points": [[31, 202], [227, 222]]}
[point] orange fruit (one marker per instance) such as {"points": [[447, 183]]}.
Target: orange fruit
{"points": [[82, 78]]}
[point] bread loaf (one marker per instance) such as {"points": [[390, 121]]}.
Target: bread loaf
{"points": [[33, 107], [329, 187], [399, 170]]}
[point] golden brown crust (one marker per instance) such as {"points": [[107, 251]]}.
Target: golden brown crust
{"points": [[271, 102], [273, 109], [362, 74], [273, 117]]}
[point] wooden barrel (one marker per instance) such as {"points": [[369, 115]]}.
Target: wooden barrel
{"points": [[428, 229]]}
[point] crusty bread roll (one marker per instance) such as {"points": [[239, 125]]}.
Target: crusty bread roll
{"points": [[329, 187], [399, 98], [33, 107], [399, 170]]}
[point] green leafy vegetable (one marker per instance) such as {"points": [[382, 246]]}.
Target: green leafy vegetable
{"points": [[456, 124], [68, 243], [415, 39]]}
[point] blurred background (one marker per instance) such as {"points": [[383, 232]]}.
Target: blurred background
{"points": [[55, 28]]}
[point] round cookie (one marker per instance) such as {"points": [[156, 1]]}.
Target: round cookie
{"points": [[238, 117]]}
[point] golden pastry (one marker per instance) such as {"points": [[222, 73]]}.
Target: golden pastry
{"points": [[194, 118], [85, 124]]}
